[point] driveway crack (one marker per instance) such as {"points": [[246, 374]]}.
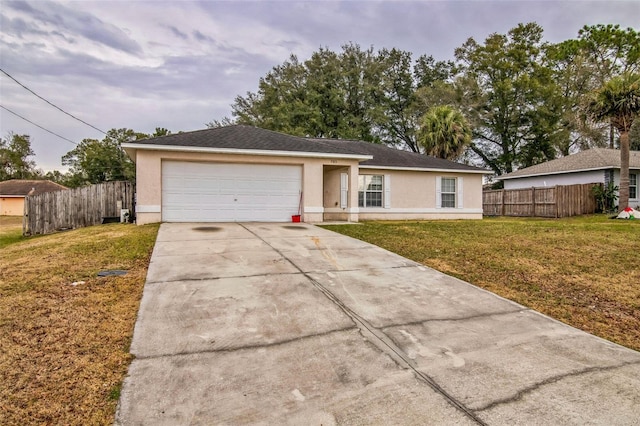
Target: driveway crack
{"points": [[523, 392], [245, 347], [466, 318], [199, 279]]}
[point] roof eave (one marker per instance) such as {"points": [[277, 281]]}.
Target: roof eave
{"points": [[424, 169], [557, 173], [131, 148]]}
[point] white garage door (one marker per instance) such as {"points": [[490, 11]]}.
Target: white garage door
{"points": [[221, 192]]}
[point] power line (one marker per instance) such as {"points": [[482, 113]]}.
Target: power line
{"points": [[55, 106], [37, 125]]}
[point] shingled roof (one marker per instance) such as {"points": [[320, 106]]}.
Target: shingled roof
{"points": [[250, 138], [383, 156], [243, 138], [22, 188], [591, 159]]}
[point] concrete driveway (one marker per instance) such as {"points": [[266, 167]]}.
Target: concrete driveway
{"points": [[294, 324]]}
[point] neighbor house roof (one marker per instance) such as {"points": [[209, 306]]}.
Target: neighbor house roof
{"points": [[22, 188], [591, 159], [253, 140]]}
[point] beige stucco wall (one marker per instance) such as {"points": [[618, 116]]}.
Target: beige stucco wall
{"points": [[11, 206], [149, 178], [413, 196]]}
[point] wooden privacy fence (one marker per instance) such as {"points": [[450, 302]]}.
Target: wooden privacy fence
{"points": [[556, 201], [76, 208]]}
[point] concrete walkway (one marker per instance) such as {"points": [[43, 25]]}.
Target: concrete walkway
{"points": [[294, 324]]}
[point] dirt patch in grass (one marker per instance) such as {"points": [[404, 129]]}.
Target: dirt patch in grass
{"points": [[583, 271], [64, 332]]}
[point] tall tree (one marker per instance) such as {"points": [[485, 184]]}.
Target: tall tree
{"points": [[95, 161], [609, 51], [619, 101], [281, 103], [396, 122], [351, 94], [14, 157], [444, 132], [510, 98], [574, 75]]}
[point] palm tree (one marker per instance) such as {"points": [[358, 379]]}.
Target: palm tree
{"points": [[444, 132], [619, 101]]}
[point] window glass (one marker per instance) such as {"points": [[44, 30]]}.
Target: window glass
{"points": [[448, 192], [633, 186], [370, 190]]}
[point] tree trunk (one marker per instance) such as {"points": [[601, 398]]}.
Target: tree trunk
{"points": [[624, 171], [612, 134]]}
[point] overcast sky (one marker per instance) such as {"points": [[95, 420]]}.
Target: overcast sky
{"points": [[180, 64]]}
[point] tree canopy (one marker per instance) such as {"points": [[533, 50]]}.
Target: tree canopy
{"points": [[352, 94], [524, 99], [15, 161], [444, 132], [94, 161], [510, 98]]}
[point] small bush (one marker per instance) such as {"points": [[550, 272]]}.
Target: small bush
{"points": [[606, 197]]}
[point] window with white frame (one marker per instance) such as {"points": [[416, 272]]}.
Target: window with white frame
{"points": [[633, 186], [370, 190], [448, 192]]}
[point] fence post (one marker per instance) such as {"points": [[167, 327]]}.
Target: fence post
{"points": [[25, 215], [502, 209], [533, 201]]}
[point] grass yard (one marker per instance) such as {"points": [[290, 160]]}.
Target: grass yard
{"points": [[10, 230], [584, 271], [64, 347]]}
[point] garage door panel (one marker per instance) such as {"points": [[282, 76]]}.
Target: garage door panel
{"points": [[217, 192]]}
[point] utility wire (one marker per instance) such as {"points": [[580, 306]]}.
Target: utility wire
{"points": [[37, 125], [55, 106]]}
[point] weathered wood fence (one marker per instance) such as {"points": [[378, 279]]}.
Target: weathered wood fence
{"points": [[76, 208], [556, 201]]}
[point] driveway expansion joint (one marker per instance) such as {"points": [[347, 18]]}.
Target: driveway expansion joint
{"points": [[548, 381]]}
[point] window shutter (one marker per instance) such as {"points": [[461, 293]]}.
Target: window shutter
{"points": [[438, 192], [460, 195], [387, 191], [344, 190]]}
